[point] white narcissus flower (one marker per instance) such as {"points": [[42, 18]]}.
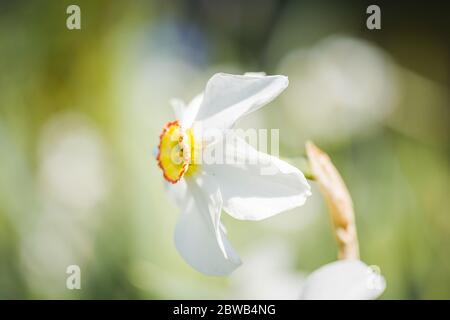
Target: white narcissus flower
{"points": [[241, 188], [344, 280]]}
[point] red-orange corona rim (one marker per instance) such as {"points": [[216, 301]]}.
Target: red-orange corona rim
{"points": [[174, 152]]}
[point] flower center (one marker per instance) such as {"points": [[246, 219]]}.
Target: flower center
{"points": [[176, 152]]}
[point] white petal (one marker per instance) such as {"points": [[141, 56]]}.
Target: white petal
{"points": [[178, 107], [229, 97], [191, 111], [255, 74], [178, 192], [198, 235], [256, 185], [344, 280]]}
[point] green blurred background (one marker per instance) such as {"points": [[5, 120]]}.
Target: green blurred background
{"points": [[81, 110]]}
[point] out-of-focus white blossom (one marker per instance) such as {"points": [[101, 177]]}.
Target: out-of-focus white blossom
{"points": [[343, 86], [344, 280]]}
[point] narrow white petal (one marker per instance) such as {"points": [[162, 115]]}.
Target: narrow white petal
{"points": [[198, 235], [229, 97], [191, 111], [255, 185], [204, 187], [179, 107], [344, 280]]}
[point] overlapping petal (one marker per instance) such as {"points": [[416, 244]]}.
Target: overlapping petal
{"points": [[191, 111], [228, 97], [199, 237], [255, 185]]}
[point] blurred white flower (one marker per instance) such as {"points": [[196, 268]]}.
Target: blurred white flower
{"points": [[203, 190], [344, 86], [73, 165], [268, 273], [344, 280], [73, 180], [339, 280]]}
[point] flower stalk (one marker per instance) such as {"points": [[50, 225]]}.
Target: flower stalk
{"points": [[338, 199]]}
